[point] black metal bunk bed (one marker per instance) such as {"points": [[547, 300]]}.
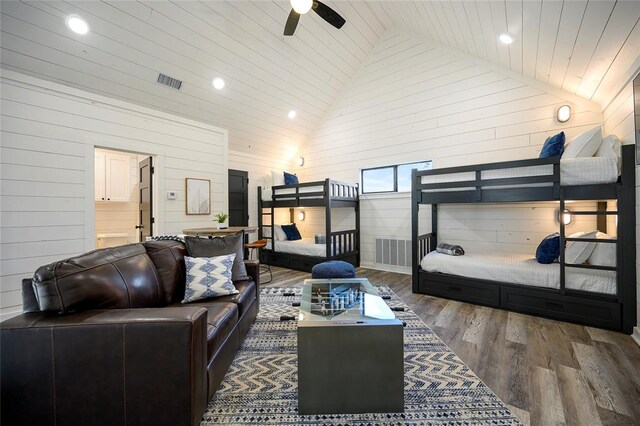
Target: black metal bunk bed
{"points": [[340, 245], [612, 311]]}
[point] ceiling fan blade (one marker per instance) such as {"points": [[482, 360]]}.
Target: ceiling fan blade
{"points": [[292, 23], [328, 14]]}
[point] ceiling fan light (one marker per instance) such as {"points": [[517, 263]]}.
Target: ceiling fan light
{"points": [[301, 6]]}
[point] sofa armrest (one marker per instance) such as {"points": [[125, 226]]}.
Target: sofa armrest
{"points": [[143, 365], [253, 270]]}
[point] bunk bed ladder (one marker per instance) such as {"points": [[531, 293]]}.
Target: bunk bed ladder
{"points": [[562, 243], [601, 213], [329, 254]]}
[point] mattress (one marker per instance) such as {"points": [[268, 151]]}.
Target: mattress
{"points": [[267, 192], [305, 247], [573, 171], [520, 269]]}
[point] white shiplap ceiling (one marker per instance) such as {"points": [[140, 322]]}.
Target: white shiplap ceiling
{"points": [[582, 47]]}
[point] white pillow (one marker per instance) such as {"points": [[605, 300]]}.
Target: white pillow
{"points": [[604, 254], [277, 178], [584, 145], [268, 181], [208, 277], [611, 147], [579, 252], [280, 235]]}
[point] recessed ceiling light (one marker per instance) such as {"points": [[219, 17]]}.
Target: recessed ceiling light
{"points": [[77, 24], [292, 114], [218, 83], [506, 38]]}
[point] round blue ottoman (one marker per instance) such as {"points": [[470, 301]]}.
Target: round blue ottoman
{"points": [[333, 269]]}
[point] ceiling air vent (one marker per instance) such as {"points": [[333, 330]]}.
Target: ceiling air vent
{"points": [[169, 81]]}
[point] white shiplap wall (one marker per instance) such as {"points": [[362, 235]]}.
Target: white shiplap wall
{"points": [[47, 196], [414, 100], [619, 120]]}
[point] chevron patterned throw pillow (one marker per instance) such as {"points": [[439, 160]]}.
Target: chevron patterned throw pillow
{"points": [[208, 277]]}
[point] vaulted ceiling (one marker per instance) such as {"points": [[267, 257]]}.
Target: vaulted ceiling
{"points": [[585, 48]]}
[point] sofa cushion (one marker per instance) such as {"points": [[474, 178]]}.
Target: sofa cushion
{"points": [[117, 277], [168, 258], [218, 246], [244, 298], [208, 277], [221, 319]]}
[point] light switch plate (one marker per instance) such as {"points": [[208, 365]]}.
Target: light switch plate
{"points": [[171, 195]]}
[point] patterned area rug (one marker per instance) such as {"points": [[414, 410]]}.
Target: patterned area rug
{"points": [[261, 385]]}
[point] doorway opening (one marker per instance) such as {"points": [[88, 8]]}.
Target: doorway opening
{"points": [[123, 197]]}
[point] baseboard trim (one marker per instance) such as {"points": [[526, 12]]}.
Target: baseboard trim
{"points": [[636, 335]]}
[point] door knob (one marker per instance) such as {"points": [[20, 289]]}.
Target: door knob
{"points": [[139, 226]]}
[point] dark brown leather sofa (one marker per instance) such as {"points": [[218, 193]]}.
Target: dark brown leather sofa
{"points": [[104, 340]]}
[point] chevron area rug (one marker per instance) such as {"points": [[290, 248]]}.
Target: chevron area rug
{"points": [[261, 385]]}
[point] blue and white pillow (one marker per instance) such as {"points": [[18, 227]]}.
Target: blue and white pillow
{"points": [[208, 277]]}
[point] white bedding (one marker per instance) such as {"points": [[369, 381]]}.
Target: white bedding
{"points": [[267, 192], [305, 247], [573, 171], [519, 269]]}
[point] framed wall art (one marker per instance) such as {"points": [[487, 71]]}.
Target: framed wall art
{"points": [[198, 196]]}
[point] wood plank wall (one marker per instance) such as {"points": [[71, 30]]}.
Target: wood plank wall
{"points": [[619, 120], [48, 135], [412, 101]]}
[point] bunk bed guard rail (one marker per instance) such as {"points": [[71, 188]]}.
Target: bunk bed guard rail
{"points": [[301, 192], [490, 182]]}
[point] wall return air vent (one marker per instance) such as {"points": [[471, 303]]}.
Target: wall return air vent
{"points": [[169, 81]]}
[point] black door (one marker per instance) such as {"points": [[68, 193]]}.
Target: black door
{"points": [[146, 198], [238, 198]]}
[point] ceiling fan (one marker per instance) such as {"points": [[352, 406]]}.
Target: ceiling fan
{"points": [[300, 7]]}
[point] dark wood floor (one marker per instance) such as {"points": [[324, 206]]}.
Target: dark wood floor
{"points": [[548, 372]]}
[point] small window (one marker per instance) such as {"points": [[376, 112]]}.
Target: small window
{"points": [[396, 178], [404, 174], [378, 180]]}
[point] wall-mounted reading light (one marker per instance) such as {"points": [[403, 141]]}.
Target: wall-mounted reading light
{"points": [[300, 161], [564, 217], [300, 215], [564, 113]]}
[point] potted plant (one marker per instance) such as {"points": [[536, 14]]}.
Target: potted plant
{"points": [[221, 218]]}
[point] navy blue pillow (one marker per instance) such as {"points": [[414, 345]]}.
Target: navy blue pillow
{"points": [[549, 249], [291, 231], [553, 146], [290, 179]]}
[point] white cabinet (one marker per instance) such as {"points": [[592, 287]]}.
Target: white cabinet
{"points": [[112, 176]]}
